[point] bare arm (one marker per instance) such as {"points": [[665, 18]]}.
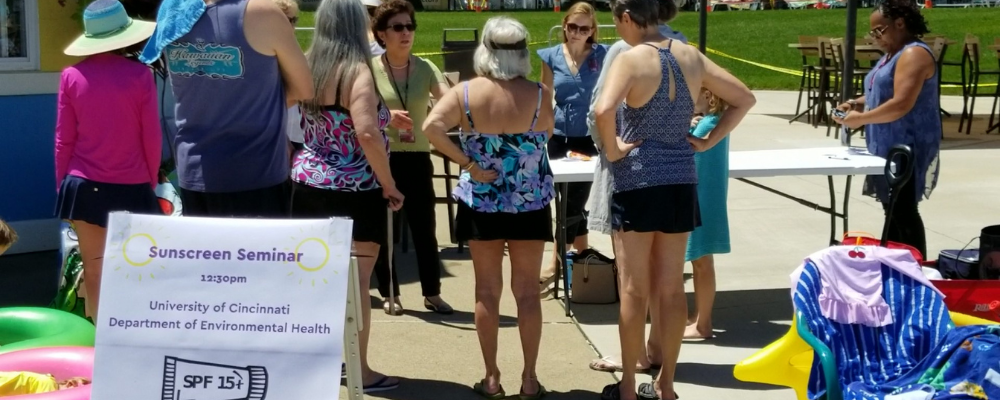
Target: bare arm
{"points": [[268, 31], [546, 80], [914, 67], [363, 105], [733, 91], [447, 112], [612, 95]]}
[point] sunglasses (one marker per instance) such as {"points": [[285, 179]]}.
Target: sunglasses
{"points": [[401, 27], [585, 29]]}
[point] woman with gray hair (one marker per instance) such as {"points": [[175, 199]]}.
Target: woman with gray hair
{"points": [[343, 169], [643, 118], [504, 189]]}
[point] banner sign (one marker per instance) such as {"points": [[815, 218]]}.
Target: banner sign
{"points": [[221, 309]]}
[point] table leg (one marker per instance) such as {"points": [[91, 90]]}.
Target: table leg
{"points": [[562, 191], [833, 211], [847, 200]]}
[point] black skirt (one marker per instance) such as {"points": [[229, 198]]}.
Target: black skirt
{"points": [[664, 208], [367, 209], [474, 225], [85, 200]]}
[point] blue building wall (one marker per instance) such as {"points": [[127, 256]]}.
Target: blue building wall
{"points": [[27, 157]]}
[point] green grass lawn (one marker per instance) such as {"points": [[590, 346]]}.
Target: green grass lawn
{"points": [[759, 36]]}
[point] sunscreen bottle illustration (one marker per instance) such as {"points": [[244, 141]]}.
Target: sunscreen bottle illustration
{"points": [[197, 380]]}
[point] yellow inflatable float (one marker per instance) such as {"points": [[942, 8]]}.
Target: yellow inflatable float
{"points": [[786, 361]]}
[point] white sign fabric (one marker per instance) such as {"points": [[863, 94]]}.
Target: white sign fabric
{"points": [[221, 309]]}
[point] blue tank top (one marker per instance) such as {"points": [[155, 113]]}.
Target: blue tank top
{"points": [[230, 106], [920, 128], [665, 157]]}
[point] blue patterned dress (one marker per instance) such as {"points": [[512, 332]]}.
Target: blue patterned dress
{"points": [[920, 128]]}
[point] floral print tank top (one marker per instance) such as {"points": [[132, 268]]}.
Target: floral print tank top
{"points": [[524, 182], [331, 157]]}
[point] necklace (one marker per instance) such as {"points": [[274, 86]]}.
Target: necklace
{"points": [[395, 67], [392, 80]]}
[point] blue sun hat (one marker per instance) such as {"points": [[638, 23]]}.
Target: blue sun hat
{"points": [[107, 27]]}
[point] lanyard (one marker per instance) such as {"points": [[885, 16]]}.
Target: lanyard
{"points": [[871, 81], [392, 81]]}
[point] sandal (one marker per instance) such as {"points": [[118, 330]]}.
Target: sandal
{"points": [[648, 391], [381, 385], [606, 365], [480, 389], [538, 395]]}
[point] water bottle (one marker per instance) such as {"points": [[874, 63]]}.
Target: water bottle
{"points": [[569, 268]]}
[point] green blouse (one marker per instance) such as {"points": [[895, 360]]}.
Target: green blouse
{"points": [[416, 93]]}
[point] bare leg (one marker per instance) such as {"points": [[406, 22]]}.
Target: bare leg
{"points": [[704, 296], [92, 239], [525, 261], [367, 253], [487, 260], [634, 250], [667, 280], [581, 243]]}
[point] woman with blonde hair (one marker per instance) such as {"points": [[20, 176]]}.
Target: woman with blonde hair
{"points": [[643, 118], [343, 168], [571, 69], [504, 189]]}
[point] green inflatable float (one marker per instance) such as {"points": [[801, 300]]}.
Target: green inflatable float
{"points": [[33, 327]]}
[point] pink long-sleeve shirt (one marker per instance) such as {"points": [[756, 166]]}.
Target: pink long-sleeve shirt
{"points": [[107, 128]]}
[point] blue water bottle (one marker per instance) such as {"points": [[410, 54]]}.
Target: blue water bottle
{"points": [[569, 268]]}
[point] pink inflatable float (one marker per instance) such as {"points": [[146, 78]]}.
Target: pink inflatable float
{"points": [[60, 362]]}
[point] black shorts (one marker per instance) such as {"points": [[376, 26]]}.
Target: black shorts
{"points": [[577, 193], [89, 201], [269, 202], [664, 208], [474, 225], [368, 210]]}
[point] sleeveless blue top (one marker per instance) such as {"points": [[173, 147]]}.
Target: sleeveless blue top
{"points": [[230, 109], [920, 128], [665, 156], [524, 178]]}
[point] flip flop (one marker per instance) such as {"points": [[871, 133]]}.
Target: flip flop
{"points": [[480, 389], [538, 395], [648, 391], [606, 365], [381, 385]]}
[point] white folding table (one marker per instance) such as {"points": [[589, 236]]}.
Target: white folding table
{"points": [[829, 161]]}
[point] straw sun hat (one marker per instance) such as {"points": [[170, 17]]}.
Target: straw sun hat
{"points": [[107, 27]]}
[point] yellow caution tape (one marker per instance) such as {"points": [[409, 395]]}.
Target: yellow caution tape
{"points": [[787, 71]]}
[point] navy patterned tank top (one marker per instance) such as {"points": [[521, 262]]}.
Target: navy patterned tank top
{"points": [[665, 156]]}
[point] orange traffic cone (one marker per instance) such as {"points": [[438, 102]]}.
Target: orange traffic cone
{"points": [[928, 4], [709, 8], [558, 6]]}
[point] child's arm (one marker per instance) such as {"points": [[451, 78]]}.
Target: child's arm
{"points": [[705, 126], [66, 132]]}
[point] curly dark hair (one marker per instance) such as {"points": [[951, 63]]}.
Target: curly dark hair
{"points": [[385, 12], [908, 11]]}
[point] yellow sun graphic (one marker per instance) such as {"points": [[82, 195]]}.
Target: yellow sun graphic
{"points": [[136, 262], [316, 256]]}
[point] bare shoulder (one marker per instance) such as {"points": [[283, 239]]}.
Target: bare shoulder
{"points": [[263, 12]]}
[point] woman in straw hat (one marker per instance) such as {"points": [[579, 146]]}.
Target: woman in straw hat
{"points": [[108, 142]]}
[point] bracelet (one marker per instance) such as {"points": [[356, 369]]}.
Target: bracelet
{"points": [[468, 167]]}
